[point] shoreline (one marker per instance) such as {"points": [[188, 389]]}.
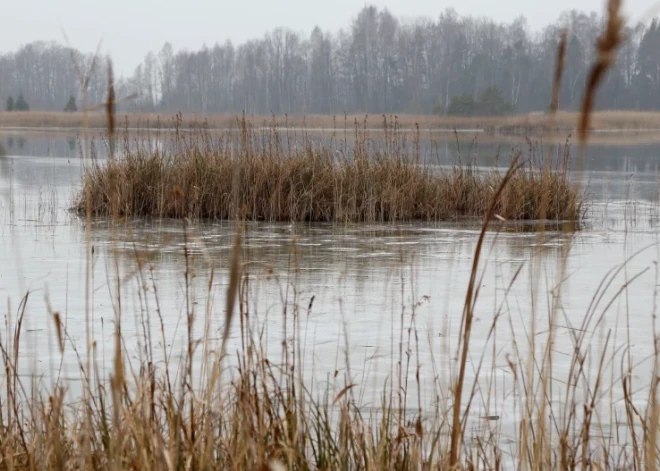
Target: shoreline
{"points": [[564, 121], [604, 137]]}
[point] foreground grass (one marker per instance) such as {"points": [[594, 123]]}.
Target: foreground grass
{"points": [[200, 176], [226, 402]]}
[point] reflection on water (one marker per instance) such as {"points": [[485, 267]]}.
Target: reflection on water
{"points": [[372, 280], [637, 155]]}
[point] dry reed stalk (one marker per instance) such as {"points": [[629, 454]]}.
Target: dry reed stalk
{"points": [[110, 103], [88, 429], [559, 70], [606, 49], [232, 291], [651, 448], [468, 315], [541, 447]]}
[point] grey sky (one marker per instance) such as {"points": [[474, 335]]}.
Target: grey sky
{"points": [[130, 28]]}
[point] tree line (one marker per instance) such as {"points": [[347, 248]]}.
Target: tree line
{"points": [[378, 64]]}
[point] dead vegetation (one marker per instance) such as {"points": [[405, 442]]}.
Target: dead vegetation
{"points": [[201, 175], [265, 415], [530, 124]]}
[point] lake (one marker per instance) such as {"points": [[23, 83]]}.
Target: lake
{"points": [[378, 294]]}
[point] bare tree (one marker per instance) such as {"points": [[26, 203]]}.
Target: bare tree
{"points": [[378, 64]]}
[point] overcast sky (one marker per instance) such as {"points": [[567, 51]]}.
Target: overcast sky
{"points": [[130, 28]]}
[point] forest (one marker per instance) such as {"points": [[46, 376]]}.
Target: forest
{"points": [[379, 64]]}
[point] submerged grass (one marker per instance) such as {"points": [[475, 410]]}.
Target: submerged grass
{"points": [[203, 176]]}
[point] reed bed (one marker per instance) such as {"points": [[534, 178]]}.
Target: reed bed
{"points": [[529, 124], [263, 174]]}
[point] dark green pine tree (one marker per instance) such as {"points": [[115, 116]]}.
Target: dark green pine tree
{"points": [[71, 105], [10, 103], [21, 104]]}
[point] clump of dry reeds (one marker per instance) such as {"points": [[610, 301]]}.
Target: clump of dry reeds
{"points": [[199, 175]]}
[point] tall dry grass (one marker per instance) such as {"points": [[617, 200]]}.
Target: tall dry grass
{"points": [[249, 408], [201, 175]]}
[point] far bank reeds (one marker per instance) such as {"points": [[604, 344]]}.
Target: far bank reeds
{"points": [[265, 175], [626, 122]]}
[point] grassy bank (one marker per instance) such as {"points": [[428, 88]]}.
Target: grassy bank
{"points": [[526, 124], [262, 176]]}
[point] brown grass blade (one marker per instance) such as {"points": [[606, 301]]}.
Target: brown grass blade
{"points": [[58, 328], [110, 103], [468, 314], [606, 48], [104, 105], [232, 289], [342, 393], [559, 70]]}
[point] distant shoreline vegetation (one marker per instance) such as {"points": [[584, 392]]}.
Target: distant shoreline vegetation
{"points": [[524, 124], [378, 64]]}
